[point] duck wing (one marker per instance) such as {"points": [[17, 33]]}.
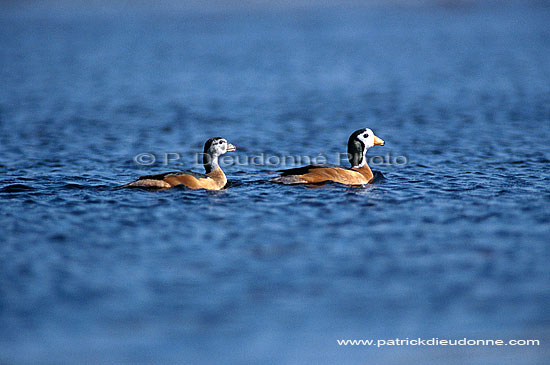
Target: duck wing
{"points": [[305, 169], [164, 180], [197, 175]]}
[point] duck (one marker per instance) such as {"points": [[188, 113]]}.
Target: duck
{"points": [[359, 173], [212, 179]]}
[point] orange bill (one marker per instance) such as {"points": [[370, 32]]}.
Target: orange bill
{"points": [[378, 141]]}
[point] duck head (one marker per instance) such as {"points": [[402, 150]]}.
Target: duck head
{"points": [[213, 148], [359, 142]]}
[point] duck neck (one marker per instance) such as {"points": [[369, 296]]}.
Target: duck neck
{"points": [[357, 154], [358, 161], [214, 172], [210, 162], [365, 171]]}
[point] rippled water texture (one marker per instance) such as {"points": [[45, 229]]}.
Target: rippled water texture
{"points": [[454, 243]]}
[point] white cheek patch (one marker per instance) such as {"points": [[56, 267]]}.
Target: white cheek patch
{"points": [[219, 148], [369, 141], [363, 139]]}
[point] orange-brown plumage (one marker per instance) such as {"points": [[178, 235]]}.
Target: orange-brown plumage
{"points": [[359, 174], [214, 179], [316, 174]]}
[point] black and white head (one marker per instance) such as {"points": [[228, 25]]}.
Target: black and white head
{"points": [[213, 148], [218, 146], [359, 142]]}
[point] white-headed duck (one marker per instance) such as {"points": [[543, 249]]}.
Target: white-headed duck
{"points": [[359, 173], [213, 179]]}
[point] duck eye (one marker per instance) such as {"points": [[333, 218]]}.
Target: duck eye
{"points": [[365, 135]]}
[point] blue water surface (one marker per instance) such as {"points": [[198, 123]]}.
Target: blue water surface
{"points": [[454, 243]]}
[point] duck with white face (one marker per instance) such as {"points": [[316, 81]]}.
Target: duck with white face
{"points": [[213, 179], [359, 173]]}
